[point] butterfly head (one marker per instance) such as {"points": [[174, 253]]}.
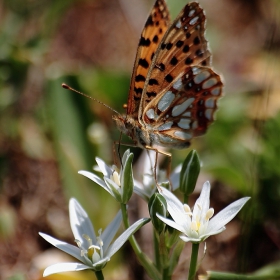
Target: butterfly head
{"points": [[132, 128]]}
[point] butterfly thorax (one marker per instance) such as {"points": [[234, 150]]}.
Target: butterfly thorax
{"points": [[132, 128]]}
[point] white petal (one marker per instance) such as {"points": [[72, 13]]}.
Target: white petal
{"points": [[209, 233], [111, 230], [105, 169], [202, 203], [80, 222], [226, 215], [100, 264], [175, 208], [175, 177], [64, 267], [125, 235], [114, 188], [63, 246], [140, 190], [95, 179], [172, 223], [145, 190], [189, 239]]}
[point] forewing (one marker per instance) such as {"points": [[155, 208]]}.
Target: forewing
{"points": [[151, 36], [187, 108], [183, 46]]}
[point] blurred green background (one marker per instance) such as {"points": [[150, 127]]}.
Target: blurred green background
{"points": [[47, 133]]}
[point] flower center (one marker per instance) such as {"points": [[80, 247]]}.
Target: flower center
{"points": [[93, 252], [200, 219]]}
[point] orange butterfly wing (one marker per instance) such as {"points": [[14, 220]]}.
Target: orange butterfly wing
{"points": [[151, 36]]}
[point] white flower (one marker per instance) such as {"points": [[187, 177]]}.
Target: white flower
{"points": [[118, 183], [93, 251], [147, 187], [113, 179], [197, 225]]}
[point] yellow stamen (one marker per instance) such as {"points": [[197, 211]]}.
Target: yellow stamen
{"points": [[209, 214], [187, 209], [116, 178]]}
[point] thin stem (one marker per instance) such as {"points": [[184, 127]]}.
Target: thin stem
{"points": [[143, 259], [193, 263], [99, 275]]}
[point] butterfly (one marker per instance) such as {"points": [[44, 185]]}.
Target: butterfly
{"points": [[173, 91]]}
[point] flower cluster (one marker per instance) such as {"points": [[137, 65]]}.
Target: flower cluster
{"points": [[94, 251]]}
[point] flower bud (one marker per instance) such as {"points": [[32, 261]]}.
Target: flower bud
{"points": [[189, 173], [157, 205], [127, 177]]}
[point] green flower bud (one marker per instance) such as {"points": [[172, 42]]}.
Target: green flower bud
{"points": [[189, 173], [127, 182], [157, 205]]}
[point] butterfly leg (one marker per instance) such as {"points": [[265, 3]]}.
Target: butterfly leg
{"points": [[117, 152], [156, 162]]}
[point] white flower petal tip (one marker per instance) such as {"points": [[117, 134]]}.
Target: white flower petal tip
{"points": [[199, 224], [64, 267]]}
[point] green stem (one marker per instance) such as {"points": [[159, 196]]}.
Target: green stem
{"points": [[156, 251], [212, 275], [193, 263], [99, 275], [143, 259], [165, 274]]}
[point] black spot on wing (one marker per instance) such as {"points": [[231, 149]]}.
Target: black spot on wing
{"points": [[196, 41], [155, 39], [199, 53], [161, 67], [186, 48], [179, 44], [140, 78], [153, 82], [138, 90], [188, 61], [168, 78], [169, 46], [144, 42], [144, 63], [173, 61], [151, 94]]}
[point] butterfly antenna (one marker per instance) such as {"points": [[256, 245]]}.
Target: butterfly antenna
{"points": [[92, 98]]}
